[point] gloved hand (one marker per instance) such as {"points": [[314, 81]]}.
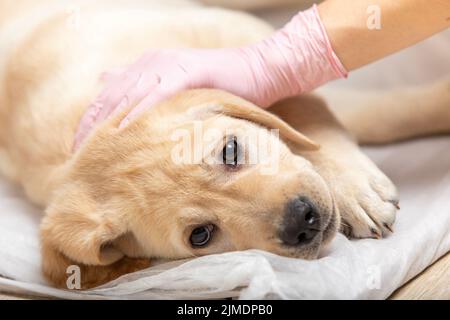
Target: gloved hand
{"points": [[295, 59]]}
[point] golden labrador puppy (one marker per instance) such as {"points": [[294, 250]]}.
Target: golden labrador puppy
{"points": [[132, 194]]}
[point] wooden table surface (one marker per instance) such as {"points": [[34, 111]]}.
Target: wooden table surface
{"points": [[432, 283]]}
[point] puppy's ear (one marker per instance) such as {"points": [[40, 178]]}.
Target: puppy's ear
{"points": [[255, 114], [78, 231], [193, 103], [78, 228]]}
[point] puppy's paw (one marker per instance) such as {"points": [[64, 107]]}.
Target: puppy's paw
{"points": [[367, 200]]}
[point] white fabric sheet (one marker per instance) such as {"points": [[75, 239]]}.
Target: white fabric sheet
{"points": [[358, 269]]}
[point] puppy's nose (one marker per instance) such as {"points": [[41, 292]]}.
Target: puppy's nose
{"points": [[300, 223]]}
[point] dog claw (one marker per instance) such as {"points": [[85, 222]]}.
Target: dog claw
{"points": [[388, 227], [375, 233], [395, 203]]}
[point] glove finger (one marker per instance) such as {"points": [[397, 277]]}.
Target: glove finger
{"points": [[111, 75], [159, 94], [113, 95], [146, 84], [85, 126], [101, 108]]}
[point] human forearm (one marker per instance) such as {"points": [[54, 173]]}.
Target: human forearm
{"points": [[402, 24]]}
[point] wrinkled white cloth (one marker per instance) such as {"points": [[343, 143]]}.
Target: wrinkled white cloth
{"points": [[357, 269]]}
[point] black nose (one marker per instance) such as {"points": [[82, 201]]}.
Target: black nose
{"points": [[300, 223]]}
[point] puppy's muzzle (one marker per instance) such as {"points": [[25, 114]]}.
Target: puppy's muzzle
{"points": [[301, 222]]}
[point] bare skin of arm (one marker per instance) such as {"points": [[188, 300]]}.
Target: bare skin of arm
{"points": [[402, 24]]}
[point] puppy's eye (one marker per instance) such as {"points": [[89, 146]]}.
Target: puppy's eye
{"points": [[200, 236], [231, 152]]}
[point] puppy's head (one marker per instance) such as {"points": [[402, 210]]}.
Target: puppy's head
{"points": [[204, 172]]}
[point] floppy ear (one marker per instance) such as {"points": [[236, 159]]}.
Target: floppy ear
{"points": [[194, 104], [75, 231], [78, 228], [267, 119]]}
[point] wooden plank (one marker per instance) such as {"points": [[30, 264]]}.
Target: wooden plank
{"points": [[432, 283]]}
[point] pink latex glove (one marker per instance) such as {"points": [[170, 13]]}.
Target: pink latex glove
{"points": [[297, 58]]}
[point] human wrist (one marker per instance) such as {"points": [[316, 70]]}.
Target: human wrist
{"points": [[297, 58]]}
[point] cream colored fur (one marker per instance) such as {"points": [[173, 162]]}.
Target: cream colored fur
{"points": [[120, 200]]}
